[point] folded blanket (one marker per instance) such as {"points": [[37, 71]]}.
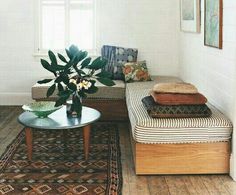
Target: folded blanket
{"points": [[178, 99], [179, 111], [185, 88]]}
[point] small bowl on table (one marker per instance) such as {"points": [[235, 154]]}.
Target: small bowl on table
{"points": [[41, 108]]}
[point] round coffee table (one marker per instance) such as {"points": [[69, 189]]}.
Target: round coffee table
{"points": [[56, 121]]}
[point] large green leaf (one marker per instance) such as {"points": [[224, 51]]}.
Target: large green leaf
{"points": [[83, 55], [54, 64], [69, 54], [81, 72], [47, 66], [62, 100], [62, 58], [98, 63], [63, 96], [95, 63], [86, 62], [52, 57], [106, 81], [72, 86], [73, 50], [75, 60], [69, 65], [59, 79], [60, 87], [92, 89], [51, 90], [64, 78], [79, 56], [104, 74], [64, 93], [44, 81], [82, 94], [68, 71], [56, 67]]}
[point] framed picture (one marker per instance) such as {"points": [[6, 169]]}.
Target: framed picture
{"points": [[213, 23], [190, 15]]}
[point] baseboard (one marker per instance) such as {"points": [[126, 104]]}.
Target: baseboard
{"points": [[15, 98], [232, 167]]}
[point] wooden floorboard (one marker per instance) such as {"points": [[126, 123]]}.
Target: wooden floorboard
{"points": [[211, 187], [158, 185], [132, 184], [228, 183]]}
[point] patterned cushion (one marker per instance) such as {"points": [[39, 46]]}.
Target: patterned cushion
{"points": [[116, 57], [118, 71], [136, 71], [178, 111]]}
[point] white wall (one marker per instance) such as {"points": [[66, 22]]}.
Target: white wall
{"points": [[18, 70], [151, 26], [212, 70]]}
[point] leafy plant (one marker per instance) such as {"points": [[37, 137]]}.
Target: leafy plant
{"points": [[76, 77]]}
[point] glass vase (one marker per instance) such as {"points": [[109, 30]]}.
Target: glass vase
{"points": [[74, 106]]}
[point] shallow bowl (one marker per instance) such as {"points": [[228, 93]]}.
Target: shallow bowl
{"points": [[41, 108]]}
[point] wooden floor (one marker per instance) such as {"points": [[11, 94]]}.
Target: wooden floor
{"points": [[132, 184]]}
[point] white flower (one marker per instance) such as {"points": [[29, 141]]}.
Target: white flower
{"points": [[73, 81], [79, 86], [84, 84]]}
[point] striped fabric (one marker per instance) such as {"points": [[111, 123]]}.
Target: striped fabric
{"points": [[149, 130]]}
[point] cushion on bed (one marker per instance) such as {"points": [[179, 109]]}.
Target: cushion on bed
{"points": [[116, 57], [177, 111], [148, 130], [178, 99], [185, 88], [136, 71]]}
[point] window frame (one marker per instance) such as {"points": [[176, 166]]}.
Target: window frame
{"points": [[38, 29]]}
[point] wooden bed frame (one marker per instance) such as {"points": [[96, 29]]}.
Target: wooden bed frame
{"points": [[112, 110], [196, 158]]}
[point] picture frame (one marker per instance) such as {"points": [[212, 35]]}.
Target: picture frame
{"points": [[190, 16], [213, 32]]}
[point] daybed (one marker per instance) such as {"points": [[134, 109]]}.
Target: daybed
{"points": [[176, 146], [163, 146]]}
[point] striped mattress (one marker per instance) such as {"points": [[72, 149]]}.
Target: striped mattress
{"points": [[145, 129]]}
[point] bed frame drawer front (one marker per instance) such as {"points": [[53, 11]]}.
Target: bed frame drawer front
{"points": [[197, 158]]}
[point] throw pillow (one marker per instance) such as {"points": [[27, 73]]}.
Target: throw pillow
{"points": [[179, 111], [136, 71], [117, 73], [178, 99], [116, 57], [175, 88]]}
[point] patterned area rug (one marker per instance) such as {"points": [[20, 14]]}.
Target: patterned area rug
{"points": [[58, 165]]}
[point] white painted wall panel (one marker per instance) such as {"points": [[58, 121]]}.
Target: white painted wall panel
{"points": [[151, 26], [212, 70]]}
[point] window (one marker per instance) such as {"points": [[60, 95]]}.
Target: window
{"points": [[66, 22]]}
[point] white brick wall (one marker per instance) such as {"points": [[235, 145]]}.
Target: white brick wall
{"points": [[151, 26]]}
